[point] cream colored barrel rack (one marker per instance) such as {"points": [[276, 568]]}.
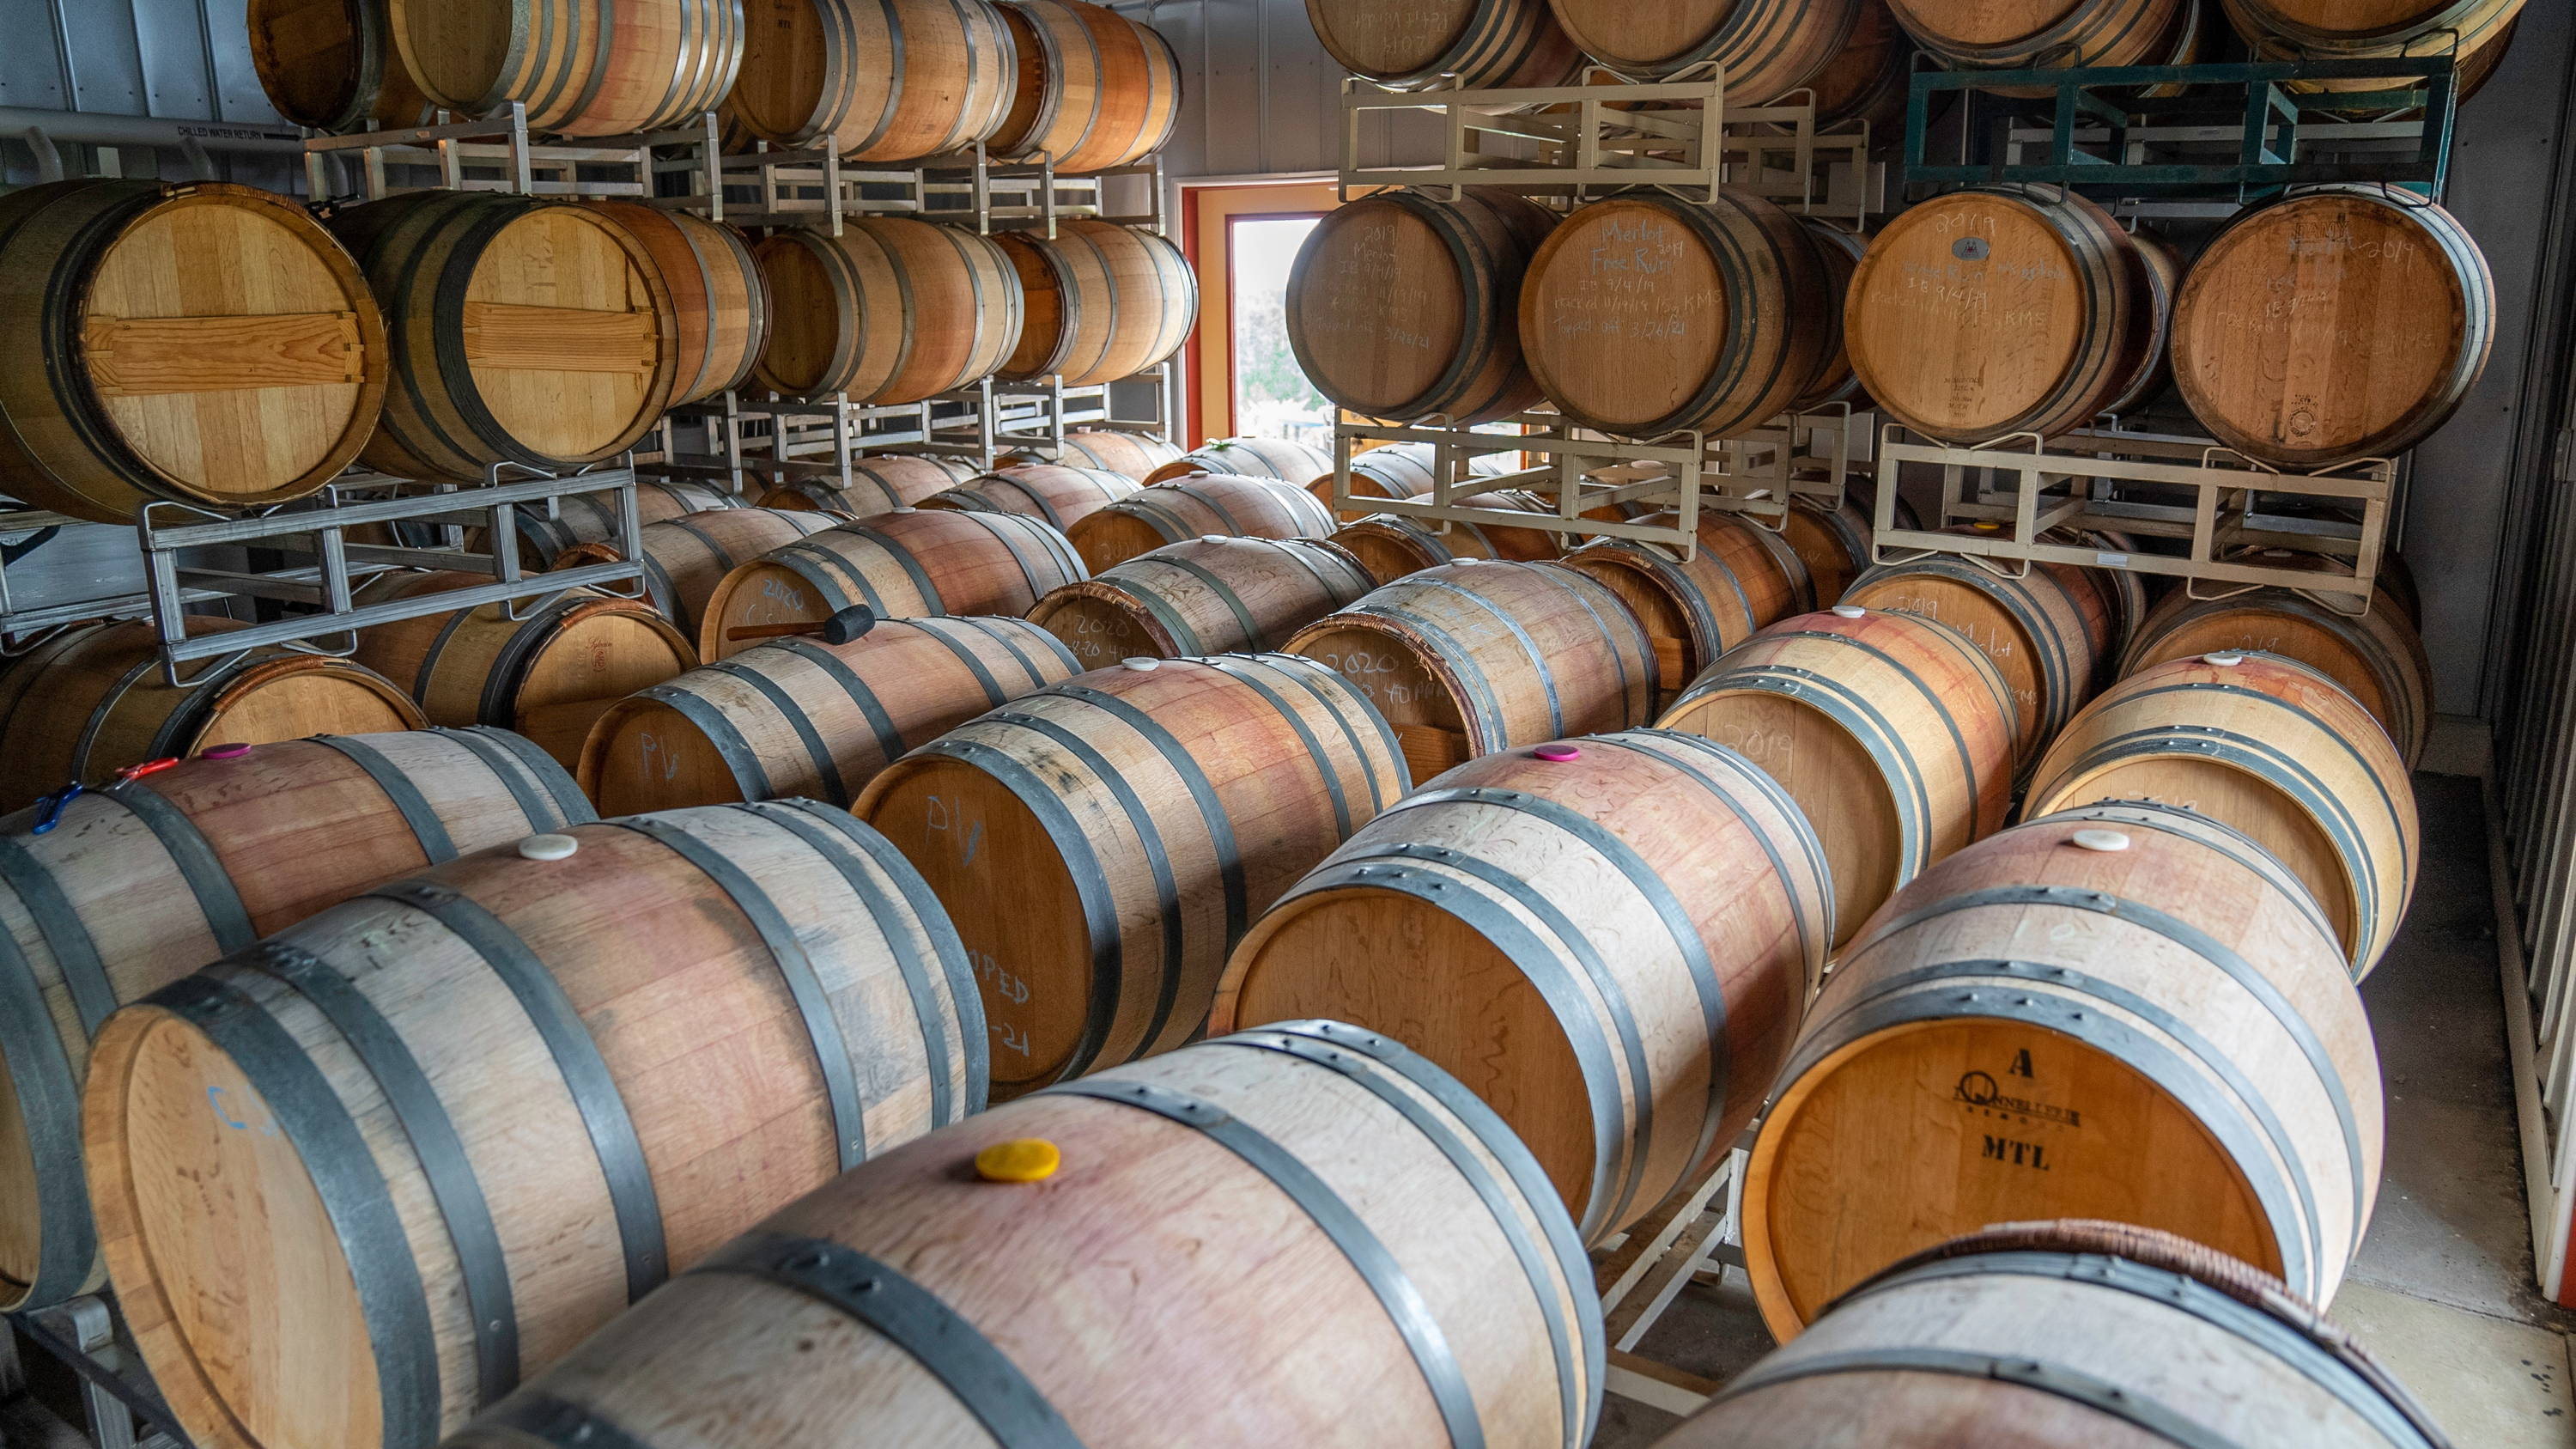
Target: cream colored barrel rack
{"points": [[814, 187], [495, 153], [1692, 1237]]}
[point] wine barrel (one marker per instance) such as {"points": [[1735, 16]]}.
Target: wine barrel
{"points": [[1246, 458], [152, 367], [1103, 301], [520, 331], [718, 300], [1481, 43], [1867, 80], [1941, 359], [802, 717], [546, 676], [93, 701], [1837, 544], [571, 1113], [1705, 329], [1391, 545], [1740, 579], [1133, 454], [1609, 942], [686, 558], [2166, 1338], [1202, 596], [1893, 733], [1096, 90], [1838, 253], [1470, 658], [99, 911], [2087, 34], [903, 565], [2474, 33], [1405, 307], [584, 67], [890, 311], [2393, 291], [1441, 1296], [332, 65], [1103, 843], [876, 80], [1061, 496], [879, 483], [2273, 748], [2127, 1008], [592, 517], [1190, 507], [1766, 48], [2050, 632], [1404, 470], [2152, 369], [2377, 657]]}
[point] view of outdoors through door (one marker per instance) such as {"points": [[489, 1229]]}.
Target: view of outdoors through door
{"points": [[1272, 398]]}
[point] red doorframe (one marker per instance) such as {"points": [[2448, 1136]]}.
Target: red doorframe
{"points": [[1208, 214]]}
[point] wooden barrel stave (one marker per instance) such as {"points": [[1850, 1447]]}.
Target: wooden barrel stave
{"points": [[687, 558], [1096, 90], [1133, 455], [876, 80], [892, 310], [1739, 580], [2088, 34], [1391, 545], [2377, 658], [1402, 470], [332, 65], [1245, 458], [2050, 632], [2474, 33], [1103, 301], [1062, 497], [592, 517], [1194, 507], [1766, 49], [879, 483], [1201, 596], [586, 68], [718, 300], [1838, 544], [913, 563], [1481, 43]]}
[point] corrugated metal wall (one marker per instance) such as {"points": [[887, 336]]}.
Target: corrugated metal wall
{"points": [[176, 59], [1260, 96]]}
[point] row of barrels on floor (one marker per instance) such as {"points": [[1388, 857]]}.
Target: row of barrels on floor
{"points": [[220, 347], [1929, 319]]}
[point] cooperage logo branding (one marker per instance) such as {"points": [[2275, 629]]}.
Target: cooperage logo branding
{"points": [[1977, 1089]]}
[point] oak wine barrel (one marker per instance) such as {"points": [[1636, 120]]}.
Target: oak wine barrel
{"points": [[1192, 507], [1484, 44], [1740, 579], [566, 1115], [1391, 545], [2474, 33], [1114, 451], [876, 80], [2395, 319], [1472, 657], [1867, 80], [2085, 34], [2272, 747], [93, 701], [592, 517], [718, 300], [2123, 1009], [1894, 733], [1402, 470], [1838, 544], [1103, 301], [332, 65], [584, 67], [903, 565], [687, 557], [520, 330], [892, 310], [2000, 310], [1766, 48], [1246, 458], [136, 884], [804, 717], [1704, 325], [203, 343], [1096, 90], [1202, 596], [1136, 821], [2377, 657], [2050, 632], [879, 483], [1061, 496], [1406, 307], [1609, 942], [2170, 1342], [1838, 253], [1440, 1295]]}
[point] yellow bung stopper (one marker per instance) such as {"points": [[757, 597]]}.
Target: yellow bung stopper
{"points": [[1022, 1159]]}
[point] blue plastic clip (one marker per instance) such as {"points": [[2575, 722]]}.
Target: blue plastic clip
{"points": [[49, 810]]}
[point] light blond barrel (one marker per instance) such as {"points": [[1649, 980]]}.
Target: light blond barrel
{"points": [[1103, 302], [1192, 507], [879, 483], [2050, 632], [1764, 48], [1246, 458], [1481, 43], [582, 67], [892, 310], [1740, 578], [718, 301], [1132, 454], [1096, 89], [2377, 656], [876, 80], [1202, 596], [1391, 545], [1062, 496], [909, 564]]}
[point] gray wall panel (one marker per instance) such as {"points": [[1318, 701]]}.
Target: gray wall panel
{"points": [[177, 59]]}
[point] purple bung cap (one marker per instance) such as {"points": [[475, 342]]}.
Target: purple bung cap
{"points": [[1558, 754], [224, 752]]}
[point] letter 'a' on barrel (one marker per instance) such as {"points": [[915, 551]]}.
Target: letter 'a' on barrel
{"points": [[203, 343], [718, 301], [2126, 1008], [557, 1116], [905, 565], [1610, 948], [584, 67], [2396, 318], [1355, 1251], [143, 881], [890, 311], [1405, 307], [1718, 337], [1246, 458], [1471, 658], [1103, 844], [2275, 749], [1740, 579], [1202, 596], [2377, 657], [1937, 360], [522, 331], [2050, 632], [1767, 48], [547, 676], [1893, 733], [2062, 1333], [803, 717], [2475, 33], [332, 65], [1096, 90], [879, 483], [1133, 454], [1194, 507], [1103, 301], [1975, 35], [93, 701], [876, 80], [1482, 43], [1061, 496], [1390, 545]]}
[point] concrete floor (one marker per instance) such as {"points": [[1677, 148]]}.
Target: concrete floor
{"points": [[2442, 1290]]}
